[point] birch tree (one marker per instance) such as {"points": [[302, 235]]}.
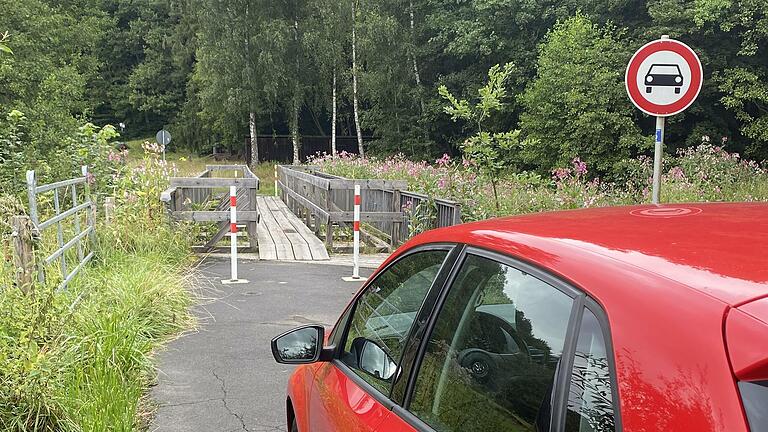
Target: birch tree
{"points": [[355, 105], [324, 40]]}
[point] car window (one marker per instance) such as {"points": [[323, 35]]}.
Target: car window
{"points": [[383, 315], [491, 358], [590, 398], [755, 398]]}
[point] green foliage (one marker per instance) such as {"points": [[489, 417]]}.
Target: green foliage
{"points": [[698, 174], [88, 145], [577, 105], [746, 94], [80, 359], [52, 61], [492, 154], [3, 46]]}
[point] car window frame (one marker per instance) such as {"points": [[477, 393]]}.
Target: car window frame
{"points": [[340, 333], [561, 384], [602, 318]]}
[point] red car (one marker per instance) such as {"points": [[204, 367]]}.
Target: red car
{"points": [[648, 318]]}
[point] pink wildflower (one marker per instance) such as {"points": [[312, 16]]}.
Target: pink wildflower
{"points": [[677, 173], [561, 174], [114, 157], [579, 166]]}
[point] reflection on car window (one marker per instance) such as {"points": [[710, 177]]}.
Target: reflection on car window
{"points": [[590, 401], [492, 355], [383, 316]]}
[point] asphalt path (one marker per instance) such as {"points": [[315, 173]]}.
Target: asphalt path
{"points": [[221, 376]]}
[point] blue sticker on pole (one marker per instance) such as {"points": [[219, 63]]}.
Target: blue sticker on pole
{"points": [[658, 135]]}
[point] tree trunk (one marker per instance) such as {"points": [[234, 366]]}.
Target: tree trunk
{"points": [[333, 117], [296, 89], [354, 81], [254, 139], [295, 128], [413, 58]]}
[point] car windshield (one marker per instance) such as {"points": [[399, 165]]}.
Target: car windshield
{"points": [[664, 69]]}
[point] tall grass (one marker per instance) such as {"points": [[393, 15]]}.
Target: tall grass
{"points": [[81, 359]]}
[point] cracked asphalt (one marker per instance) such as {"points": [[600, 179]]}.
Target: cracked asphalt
{"points": [[222, 376]]}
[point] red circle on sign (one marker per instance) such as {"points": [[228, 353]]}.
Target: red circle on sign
{"points": [[633, 69]]}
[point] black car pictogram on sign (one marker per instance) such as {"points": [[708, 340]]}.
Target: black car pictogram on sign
{"points": [[663, 75]]}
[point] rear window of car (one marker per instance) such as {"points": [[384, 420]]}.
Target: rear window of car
{"points": [[754, 395]]}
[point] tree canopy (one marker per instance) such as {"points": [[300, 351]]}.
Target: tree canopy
{"points": [[217, 71]]}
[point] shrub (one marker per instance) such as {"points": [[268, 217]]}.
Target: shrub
{"points": [[577, 106]]}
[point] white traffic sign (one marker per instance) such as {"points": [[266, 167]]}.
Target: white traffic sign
{"points": [[163, 137], [664, 77]]}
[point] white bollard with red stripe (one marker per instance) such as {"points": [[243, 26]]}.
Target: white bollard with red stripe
{"points": [[233, 237], [356, 238], [356, 229]]}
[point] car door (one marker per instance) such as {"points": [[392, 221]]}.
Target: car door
{"points": [[351, 393], [510, 348]]}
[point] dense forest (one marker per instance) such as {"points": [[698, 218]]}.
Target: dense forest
{"points": [[216, 72]]}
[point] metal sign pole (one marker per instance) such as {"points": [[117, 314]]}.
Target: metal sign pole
{"points": [[657, 155]]}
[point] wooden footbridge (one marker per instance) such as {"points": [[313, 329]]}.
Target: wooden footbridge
{"points": [[274, 225], [283, 236], [271, 228]]}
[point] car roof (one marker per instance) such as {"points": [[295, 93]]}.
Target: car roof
{"points": [[715, 249]]}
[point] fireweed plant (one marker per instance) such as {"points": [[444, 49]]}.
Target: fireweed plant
{"points": [[699, 174]]}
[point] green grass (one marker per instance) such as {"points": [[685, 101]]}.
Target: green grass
{"points": [[189, 164], [135, 144], [81, 359], [265, 171]]}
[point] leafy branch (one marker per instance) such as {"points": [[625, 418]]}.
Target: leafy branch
{"points": [[3, 46]]}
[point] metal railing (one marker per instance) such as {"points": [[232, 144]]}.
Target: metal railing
{"points": [[60, 217]]}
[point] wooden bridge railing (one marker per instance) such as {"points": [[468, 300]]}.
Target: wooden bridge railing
{"points": [[325, 199], [185, 191]]}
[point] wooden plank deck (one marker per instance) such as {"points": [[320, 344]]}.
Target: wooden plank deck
{"points": [[282, 236]]}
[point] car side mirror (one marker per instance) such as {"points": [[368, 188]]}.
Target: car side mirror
{"points": [[373, 360], [301, 345]]}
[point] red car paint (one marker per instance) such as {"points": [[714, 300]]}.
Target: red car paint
{"points": [[685, 289]]}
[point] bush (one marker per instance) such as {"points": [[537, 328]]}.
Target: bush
{"points": [[577, 106]]}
